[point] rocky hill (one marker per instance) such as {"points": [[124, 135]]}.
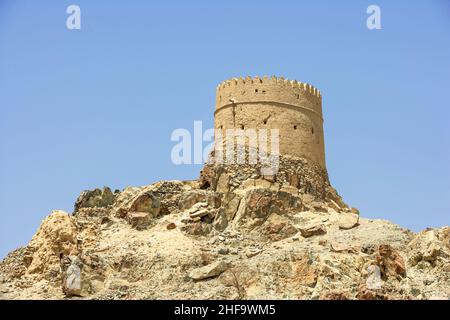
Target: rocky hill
{"points": [[231, 234]]}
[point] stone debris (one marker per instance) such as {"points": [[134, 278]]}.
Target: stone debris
{"points": [[171, 226], [374, 281], [253, 252], [348, 220], [315, 230], [365, 293], [339, 247], [223, 251], [199, 213], [138, 219], [209, 271], [72, 278], [197, 207]]}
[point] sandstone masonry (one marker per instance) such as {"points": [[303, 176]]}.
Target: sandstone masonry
{"points": [[292, 107]]}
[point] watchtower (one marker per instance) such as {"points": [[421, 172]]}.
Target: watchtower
{"points": [[292, 107]]}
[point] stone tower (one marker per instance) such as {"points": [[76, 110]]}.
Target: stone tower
{"points": [[293, 107]]}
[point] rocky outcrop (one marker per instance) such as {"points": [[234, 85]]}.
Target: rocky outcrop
{"points": [[55, 239], [232, 234], [98, 198]]}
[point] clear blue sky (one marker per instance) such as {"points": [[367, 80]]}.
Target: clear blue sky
{"points": [[94, 107]]}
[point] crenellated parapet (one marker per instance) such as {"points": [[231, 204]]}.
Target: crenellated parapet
{"points": [[273, 89]]}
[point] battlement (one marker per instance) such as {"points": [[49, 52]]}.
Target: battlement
{"points": [[273, 81], [271, 90]]}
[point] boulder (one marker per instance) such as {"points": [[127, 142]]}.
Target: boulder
{"points": [[253, 252], [197, 228], [348, 220], [223, 250], [390, 261], [200, 213], [313, 230], [100, 198], [277, 228], [430, 246], [147, 202], [171, 226], [198, 206], [191, 197], [72, 282], [168, 193], [340, 247], [259, 203], [373, 281], [138, 220], [160, 198], [209, 271], [137, 200]]}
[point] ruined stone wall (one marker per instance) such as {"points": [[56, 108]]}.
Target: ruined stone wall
{"points": [[293, 107]]}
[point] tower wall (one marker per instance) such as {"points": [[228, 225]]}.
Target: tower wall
{"points": [[293, 107]]}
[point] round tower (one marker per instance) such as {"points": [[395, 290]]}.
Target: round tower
{"points": [[292, 107]]}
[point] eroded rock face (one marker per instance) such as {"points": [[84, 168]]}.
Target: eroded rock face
{"points": [[100, 198], [157, 199], [56, 238], [72, 277], [232, 234], [430, 246], [258, 204], [390, 261]]}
